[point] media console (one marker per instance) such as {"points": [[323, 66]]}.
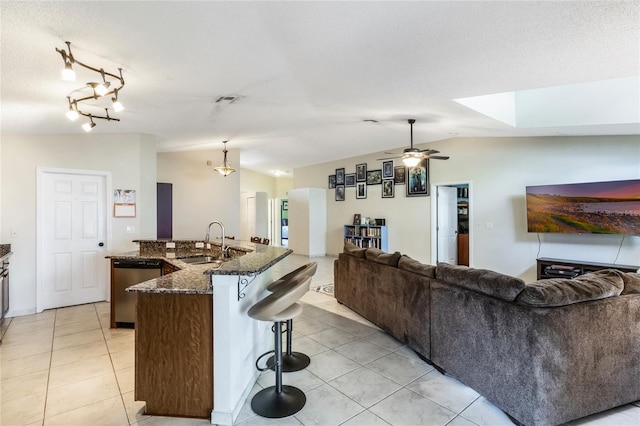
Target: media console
{"points": [[562, 268]]}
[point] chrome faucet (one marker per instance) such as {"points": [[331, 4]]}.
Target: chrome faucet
{"points": [[222, 247]]}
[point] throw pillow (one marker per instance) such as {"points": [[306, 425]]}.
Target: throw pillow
{"points": [[378, 256], [354, 250], [412, 265], [491, 283], [564, 291]]}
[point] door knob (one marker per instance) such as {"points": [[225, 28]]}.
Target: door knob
{"points": [[101, 244]]}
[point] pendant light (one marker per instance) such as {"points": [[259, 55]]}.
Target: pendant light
{"points": [[226, 169]]}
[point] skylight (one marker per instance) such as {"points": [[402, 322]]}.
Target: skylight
{"points": [[615, 101]]}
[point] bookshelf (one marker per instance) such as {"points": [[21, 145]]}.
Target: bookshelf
{"points": [[366, 236]]}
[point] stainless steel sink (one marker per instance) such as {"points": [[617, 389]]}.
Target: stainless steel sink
{"points": [[200, 260]]}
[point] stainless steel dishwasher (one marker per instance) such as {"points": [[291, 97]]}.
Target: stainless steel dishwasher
{"points": [[128, 272]]}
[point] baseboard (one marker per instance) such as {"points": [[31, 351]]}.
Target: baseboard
{"points": [[20, 312], [225, 418]]}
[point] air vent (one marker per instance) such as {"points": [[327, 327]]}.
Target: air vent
{"points": [[229, 99]]}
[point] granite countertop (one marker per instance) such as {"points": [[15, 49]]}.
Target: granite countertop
{"points": [[196, 279], [5, 251]]}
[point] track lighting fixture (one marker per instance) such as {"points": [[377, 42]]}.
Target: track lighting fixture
{"points": [[97, 90], [226, 169], [89, 126]]}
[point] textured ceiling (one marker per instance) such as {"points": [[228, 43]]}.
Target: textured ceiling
{"points": [[308, 73]]}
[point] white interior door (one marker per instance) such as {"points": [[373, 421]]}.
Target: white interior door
{"points": [[447, 224], [72, 234]]}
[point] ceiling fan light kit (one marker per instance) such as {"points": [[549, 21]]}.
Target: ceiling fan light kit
{"points": [[98, 90], [411, 156]]}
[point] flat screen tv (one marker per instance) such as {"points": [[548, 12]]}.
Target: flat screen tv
{"points": [[585, 208]]}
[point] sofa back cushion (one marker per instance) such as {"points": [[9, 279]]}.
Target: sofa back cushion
{"points": [[491, 283], [354, 250], [631, 283], [412, 265], [378, 256], [565, 291]]}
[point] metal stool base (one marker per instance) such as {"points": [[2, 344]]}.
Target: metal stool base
{"points": [[268, 403], [295, 362]]}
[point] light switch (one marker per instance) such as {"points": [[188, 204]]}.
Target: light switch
{"points": [[131, 229]]}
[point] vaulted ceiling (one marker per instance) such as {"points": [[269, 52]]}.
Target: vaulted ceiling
{"points": [[312, 81]]}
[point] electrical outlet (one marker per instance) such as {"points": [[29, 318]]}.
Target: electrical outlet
{"points": [[199, 245], [14, 233], [131, 229], [170, 255], [171, 245]]}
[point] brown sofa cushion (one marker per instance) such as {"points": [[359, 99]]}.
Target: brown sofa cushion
{"points": [[412, 265], [631, 283], [491, 283], [564, 291], [378, 256], [354, 250]]}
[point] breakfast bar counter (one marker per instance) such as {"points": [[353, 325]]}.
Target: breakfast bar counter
{"points": [[195, 345]]}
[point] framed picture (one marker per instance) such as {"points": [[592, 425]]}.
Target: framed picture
{"points": [[124, 203], [339, 192], [340, 176], [361, 190], [399, 173], [356, 219], [387, 188], [332, 181], [387, 169], [374, 177], [285, 205], [418, 179], [350, 180], [361, 172]]}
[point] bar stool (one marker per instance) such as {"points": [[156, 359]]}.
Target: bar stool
{"points": [[292, 361], [280, 400]]}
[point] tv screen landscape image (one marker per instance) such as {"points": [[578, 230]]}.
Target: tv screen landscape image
{"points": [[585, 208]]}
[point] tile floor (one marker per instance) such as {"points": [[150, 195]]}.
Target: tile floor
{"points": [[66, 367]]}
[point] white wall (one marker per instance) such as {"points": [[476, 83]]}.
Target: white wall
{"points": [[119, 154], [275, 187], [200, 194], [499, 170]]}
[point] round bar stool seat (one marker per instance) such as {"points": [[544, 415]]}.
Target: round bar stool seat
{"points": [[280, 400], [292, 361]]}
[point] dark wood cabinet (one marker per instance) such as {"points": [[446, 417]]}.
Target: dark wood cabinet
{"points": [[545, 269], [174, 354]]}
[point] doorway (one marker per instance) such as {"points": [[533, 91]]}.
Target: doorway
{"points": [[72, 237], [450, 228]]}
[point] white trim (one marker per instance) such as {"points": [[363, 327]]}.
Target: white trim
{"points": [[40, 173], [434, 221]]}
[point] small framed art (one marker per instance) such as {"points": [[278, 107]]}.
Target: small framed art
{"points": [[361, 172], [361, 190], [387, 169], [340, 176], [387, 188], [332, 181], [399, 174], [374, 177], [339, 192], [350, 180]]}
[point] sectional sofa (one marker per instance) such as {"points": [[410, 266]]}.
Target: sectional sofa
{"points": [[545, 353]]}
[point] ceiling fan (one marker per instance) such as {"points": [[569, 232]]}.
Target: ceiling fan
{"points": [[412, 156]]}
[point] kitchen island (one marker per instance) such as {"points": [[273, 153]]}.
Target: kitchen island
{"points": [[195, 346]]}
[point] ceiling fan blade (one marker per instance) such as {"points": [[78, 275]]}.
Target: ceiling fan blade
{"points": [[430, 151], [436, 157], [388, 158]]}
